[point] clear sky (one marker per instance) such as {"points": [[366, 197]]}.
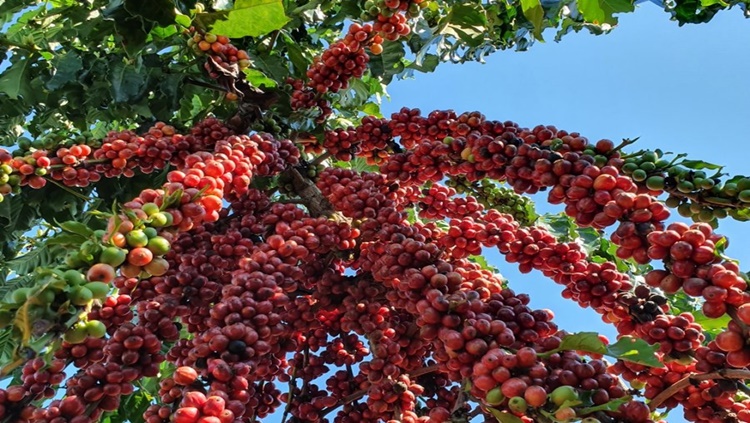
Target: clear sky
{"points": [[682, 89]]}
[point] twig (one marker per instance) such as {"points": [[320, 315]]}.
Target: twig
{"points": [[292, 201], [626, 142], [84, 163], [603, 417], [320, 159], [292, 385], [686, 381], [274, 37], [475, 412], [260, 389], [362, 392], [204, 84], [460, 400]]}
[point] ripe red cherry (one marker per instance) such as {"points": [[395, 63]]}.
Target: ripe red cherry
{"points": [[185, 375]]}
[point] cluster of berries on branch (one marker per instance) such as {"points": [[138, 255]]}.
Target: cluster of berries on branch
{"points": [[274, 293]]}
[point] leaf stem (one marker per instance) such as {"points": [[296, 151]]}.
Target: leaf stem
{"points": [[626, 142], [64, 188]]}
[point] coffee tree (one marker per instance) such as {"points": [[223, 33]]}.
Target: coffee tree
{"points": [[205, 218]]}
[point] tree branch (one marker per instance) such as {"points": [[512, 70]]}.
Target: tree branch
{"points": [[202, 84], [320, 159], [686, 381], [311, 196]]}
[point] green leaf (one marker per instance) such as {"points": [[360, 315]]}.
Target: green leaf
{"points": [[482, 262], [680, 302], [583, 341], [504, 417], [626, 348], [467, 22], [7, 345], [273, 66], [709, 325], [602, 11], [183, 20], [77, 228], [613, 405], [66, 239], [296, 56], [66, 69], [159, 11], [635, 350], [127, 82], [11, 285], [561, 226], [132, 406], [534, 12], [39, 256], [164, 32], [699, 164], [258, 78], [16, 215], [371, 109], [360, 165], [427, 64], [132, 29], [708, 3], [23, 322], [388, 63], [14, 81], [355, 95], [252, 18]]}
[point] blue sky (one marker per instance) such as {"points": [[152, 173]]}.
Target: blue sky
{"points": [[682, 89]]}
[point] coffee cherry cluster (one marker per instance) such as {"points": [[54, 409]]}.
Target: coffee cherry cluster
{"points": [[38, 377], [278, 154], [689, 254], [61, 166], [123, 152], [8, 181], [114, 311], [157, 316], [390, 16], [341, 61], [341, 143], [135, 347], [395, 400], [198, 407], [695, 194], [677, 336], [371, 140], [441, 202], [263, 291], [83, 354], [492, 196], [729, 346], [219, 48], [69, 409], [357, 195], [331, 71], [306, 97]]}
